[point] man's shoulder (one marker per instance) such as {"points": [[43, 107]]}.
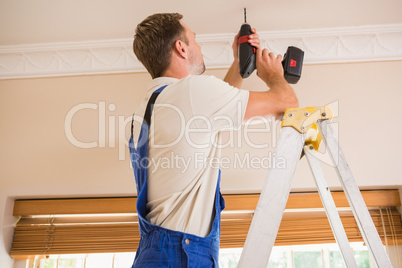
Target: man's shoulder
{"points": [[202, 77], [202, 81]]}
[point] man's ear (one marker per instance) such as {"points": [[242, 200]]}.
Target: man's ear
{"points": [[181, 48]]}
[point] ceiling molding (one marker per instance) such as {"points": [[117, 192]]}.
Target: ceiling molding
{"points": [[321, 46]]}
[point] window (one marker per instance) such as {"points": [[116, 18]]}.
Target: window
{"points": [[309, 256], [106, 260], [100, 225], [303, 256]]}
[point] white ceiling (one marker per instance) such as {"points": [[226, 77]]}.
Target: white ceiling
{"points": [[48, 21]]}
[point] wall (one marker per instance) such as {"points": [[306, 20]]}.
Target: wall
{"points": [[38, 160]]}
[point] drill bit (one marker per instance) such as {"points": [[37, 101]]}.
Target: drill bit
{"points": [[245, 15]]}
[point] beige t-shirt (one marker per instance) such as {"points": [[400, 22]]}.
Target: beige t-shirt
{"points": [[183, 152]]}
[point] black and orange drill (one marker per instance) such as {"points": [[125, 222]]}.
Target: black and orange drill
{"points": [[292, 60]]}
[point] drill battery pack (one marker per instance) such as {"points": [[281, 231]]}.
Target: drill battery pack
{"points": [[292, 64]]}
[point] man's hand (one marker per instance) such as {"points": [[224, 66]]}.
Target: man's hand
{"points": [[253, 39], [280, 96], [269, 67]]}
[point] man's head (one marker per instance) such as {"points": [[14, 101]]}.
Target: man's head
{"points": [[155, 39]]}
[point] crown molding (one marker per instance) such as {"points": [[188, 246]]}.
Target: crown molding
{"points": [[321, 46]]}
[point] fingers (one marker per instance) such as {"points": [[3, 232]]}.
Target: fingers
{"points": [[236, 38], [269, 66], [272, 56], [266, 54], [254, 38], [259, 52], [235, 46], [266, 58]]}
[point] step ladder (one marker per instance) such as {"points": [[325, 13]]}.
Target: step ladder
{"points": [[301, 134]]}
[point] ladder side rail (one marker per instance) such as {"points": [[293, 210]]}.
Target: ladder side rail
{"points": [[330, 208], [272, 202], [354, 197]]}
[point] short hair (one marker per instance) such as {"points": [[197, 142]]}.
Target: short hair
{"points": [[154, 41]]}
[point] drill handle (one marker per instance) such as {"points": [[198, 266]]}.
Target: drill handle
{"points": [[246, 52]]}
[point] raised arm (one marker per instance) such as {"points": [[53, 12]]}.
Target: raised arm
{"points": [[280, 95]]}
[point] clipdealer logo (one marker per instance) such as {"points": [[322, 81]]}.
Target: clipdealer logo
{"points": [[113, 128], [103, 119], [199, 161]]}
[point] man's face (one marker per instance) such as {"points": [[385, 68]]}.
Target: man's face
{"points": [[196, 61]]}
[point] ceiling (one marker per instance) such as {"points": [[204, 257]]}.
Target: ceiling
{"points": [[49, 21]]}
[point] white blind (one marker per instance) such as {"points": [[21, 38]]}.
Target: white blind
{"points": [[96, 225]]}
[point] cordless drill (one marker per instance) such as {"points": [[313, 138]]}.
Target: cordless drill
{"points": [[292, 60]]}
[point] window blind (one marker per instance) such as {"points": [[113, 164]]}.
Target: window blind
{"points": [[96, 225]]}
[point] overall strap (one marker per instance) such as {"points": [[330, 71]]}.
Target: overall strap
{"points": [[149, 108], [139, 155]]}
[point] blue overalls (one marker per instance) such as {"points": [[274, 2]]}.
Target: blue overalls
{"points": [[161, 247]]}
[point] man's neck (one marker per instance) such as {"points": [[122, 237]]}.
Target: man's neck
{"points": [[176, 71], [177, 75], [177, 68]]}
